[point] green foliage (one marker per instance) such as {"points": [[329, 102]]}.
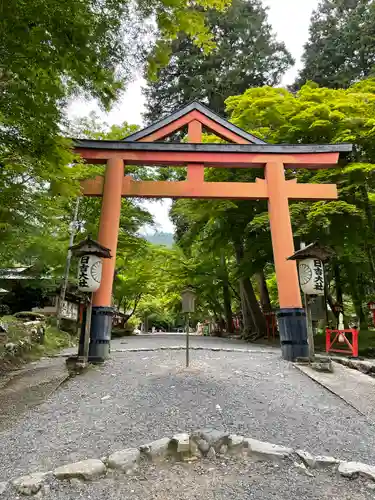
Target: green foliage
{"points": [[149, 280], [321, 115], [341, 46], [246, 54], [52, 52], [25, 348]]}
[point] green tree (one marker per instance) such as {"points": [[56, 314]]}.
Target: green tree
{"points": [[214, 233], [341, 45], [51, 52], [246, 54], [321, 115]]}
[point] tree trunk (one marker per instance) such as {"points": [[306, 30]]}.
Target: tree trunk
{"points": [[330, 301], [136, 302], [249, 304], [357, 302], [247, 319], [371, 226], [226, 294], [358, 296], [338, 284], [263, 291], [256, 312]]}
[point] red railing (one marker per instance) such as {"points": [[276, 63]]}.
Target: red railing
{"points": [[340, 337]]}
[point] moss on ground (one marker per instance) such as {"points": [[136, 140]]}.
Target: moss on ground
{"points": [[25, 349]]}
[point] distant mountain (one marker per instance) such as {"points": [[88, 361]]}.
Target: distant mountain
{"points": [[157, 238]]}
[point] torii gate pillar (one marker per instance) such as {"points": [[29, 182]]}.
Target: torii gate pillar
{"points": [[291, 315]]}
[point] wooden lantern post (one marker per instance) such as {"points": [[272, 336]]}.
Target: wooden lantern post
{"points": [[188, 306], [91, 254]]}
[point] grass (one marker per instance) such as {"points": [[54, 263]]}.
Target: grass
{"points": [[54, 341]]}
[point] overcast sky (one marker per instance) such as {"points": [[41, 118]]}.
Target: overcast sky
{"points": [[290, 20]]}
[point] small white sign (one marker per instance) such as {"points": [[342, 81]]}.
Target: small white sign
{"points": [[89, 273], [69, 310], [311, 276]]}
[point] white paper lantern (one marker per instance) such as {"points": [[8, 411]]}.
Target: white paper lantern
{"points": [[311, 276], [89, 273]]}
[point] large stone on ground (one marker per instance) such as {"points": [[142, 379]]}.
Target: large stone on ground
{"points": [[181, 442], [306, 457], [267, 451], [125, 460], [322, 366], [30, 484], [355, 469], [156, 449], [194, 450], [203, 446], [86, 469], [319, 461], [3, 487], [212, 437], [235, 443], [365, 366], [325, 461]]}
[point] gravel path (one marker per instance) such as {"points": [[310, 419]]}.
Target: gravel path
{"points": [[151, 395], [173, 339], [224, 479], [27, 387]]}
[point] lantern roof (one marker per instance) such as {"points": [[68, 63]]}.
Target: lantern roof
{"points": [[188, 289], [313, 251], [89, 246]]}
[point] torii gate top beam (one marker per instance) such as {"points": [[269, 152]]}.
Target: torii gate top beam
{"points": [[212, 155]]}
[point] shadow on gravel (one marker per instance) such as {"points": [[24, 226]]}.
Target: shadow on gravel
{"points": [[27, 388]]}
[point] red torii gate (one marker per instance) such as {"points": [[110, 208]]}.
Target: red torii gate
{"points": [[144, 148]]}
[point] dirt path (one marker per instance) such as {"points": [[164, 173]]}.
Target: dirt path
{"points": [[25, 388]]}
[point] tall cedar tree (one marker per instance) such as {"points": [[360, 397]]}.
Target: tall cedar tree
{"points": [[247, 55], [341, 47]]}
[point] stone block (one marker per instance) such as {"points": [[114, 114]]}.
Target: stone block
{"points": [[194, 450], [203, 446], [325, 366], [126, 460], [158, 449], [235, 443], [213, 437], [30, 484], [267, 451], [306, 457], [322, 461], [181, 442], [319, 461], [85, 469], [355, 469], [223, 449]]}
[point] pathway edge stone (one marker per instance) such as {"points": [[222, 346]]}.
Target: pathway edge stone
{"points": [[183, 446]]}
